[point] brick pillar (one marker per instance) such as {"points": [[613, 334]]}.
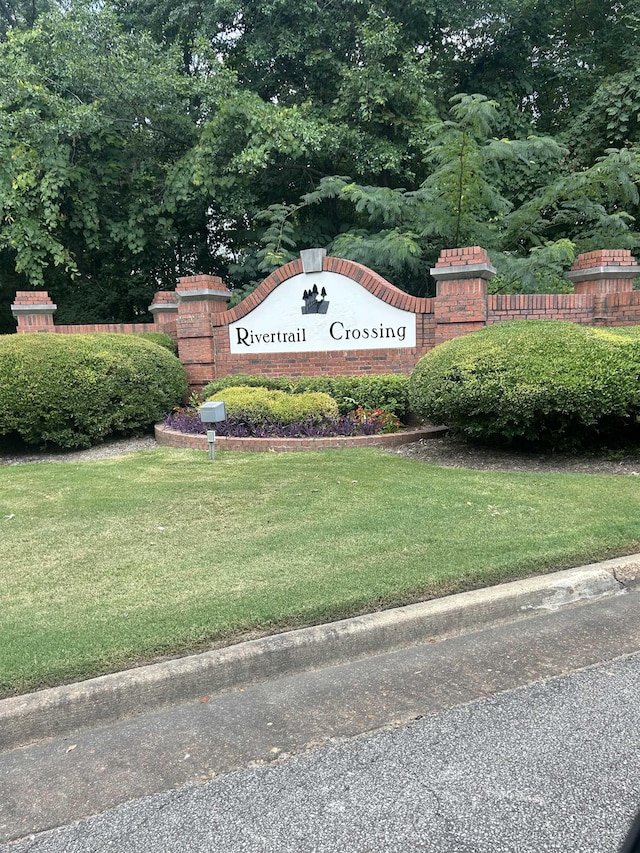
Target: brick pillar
{"points": [[165, 312], [199, 298], [604, 271], [460, 305], [33, 309]]}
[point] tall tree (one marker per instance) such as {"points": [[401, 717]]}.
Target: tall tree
{"points": [[91, 120], [522, 199], [140, 140]]}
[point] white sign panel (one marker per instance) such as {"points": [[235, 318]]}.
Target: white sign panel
{"points": [[318, 312]]}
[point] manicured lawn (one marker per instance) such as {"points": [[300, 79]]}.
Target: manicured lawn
{"points": [[107, 563]]}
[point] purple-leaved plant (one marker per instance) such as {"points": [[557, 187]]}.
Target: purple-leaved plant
{"points": [[188, 421]]}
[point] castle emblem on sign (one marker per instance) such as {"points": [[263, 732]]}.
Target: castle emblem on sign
{"points": [[315, 302]]}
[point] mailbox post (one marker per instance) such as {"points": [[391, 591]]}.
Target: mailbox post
{"points": [[212, 413]]}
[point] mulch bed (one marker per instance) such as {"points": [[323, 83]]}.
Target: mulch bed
{"points": [[449, 451], [453, 452]]}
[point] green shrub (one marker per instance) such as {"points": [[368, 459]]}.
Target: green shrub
{"points": [[256, 405], [387, 391], [541, 382], [75, 390], [273, 383], [313, 405], [160, 339], [618, 334]]}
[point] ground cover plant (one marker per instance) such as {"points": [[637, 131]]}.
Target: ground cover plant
{"points": [[545, 383], [76, 390], [264, 406], [165, 552], [359, 422]]}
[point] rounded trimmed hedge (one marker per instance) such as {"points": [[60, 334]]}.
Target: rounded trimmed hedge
{"points": [[75, 390], [257, 405], [541, 382], [387, 391], [246, 380], [161, 339]]}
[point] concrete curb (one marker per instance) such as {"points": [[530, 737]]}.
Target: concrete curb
{"points": [[59, 711]]}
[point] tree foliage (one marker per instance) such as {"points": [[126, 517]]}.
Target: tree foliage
{"points": [[20, 14], [92, 122], [143, 140]]}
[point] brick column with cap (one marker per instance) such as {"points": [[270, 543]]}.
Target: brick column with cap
{"points": [[461, 291], [33, 309], [165, 312], [199, 298], [604, 271]]}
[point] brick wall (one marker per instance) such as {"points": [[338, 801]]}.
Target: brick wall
{"points": [[461, 292], [604, 271], [617, 309], [195, 315], [578, 308], [119, 328], [34, 311], [218, 360]]}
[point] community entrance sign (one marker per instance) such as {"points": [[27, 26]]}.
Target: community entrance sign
{"points": [[322, 312]]}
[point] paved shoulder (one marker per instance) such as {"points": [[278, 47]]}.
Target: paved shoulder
{"points": [[61, 779], [547, 767]]}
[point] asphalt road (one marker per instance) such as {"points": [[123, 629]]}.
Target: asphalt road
{"points": [[548, 766]]}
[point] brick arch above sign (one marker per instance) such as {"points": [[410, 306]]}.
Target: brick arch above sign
{"points": [[323, 305], [365, 277]]}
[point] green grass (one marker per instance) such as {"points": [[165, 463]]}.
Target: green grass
{"points": [[113, 562]]}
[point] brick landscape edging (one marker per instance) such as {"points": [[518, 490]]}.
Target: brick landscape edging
{"points": [[172, 438]]}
